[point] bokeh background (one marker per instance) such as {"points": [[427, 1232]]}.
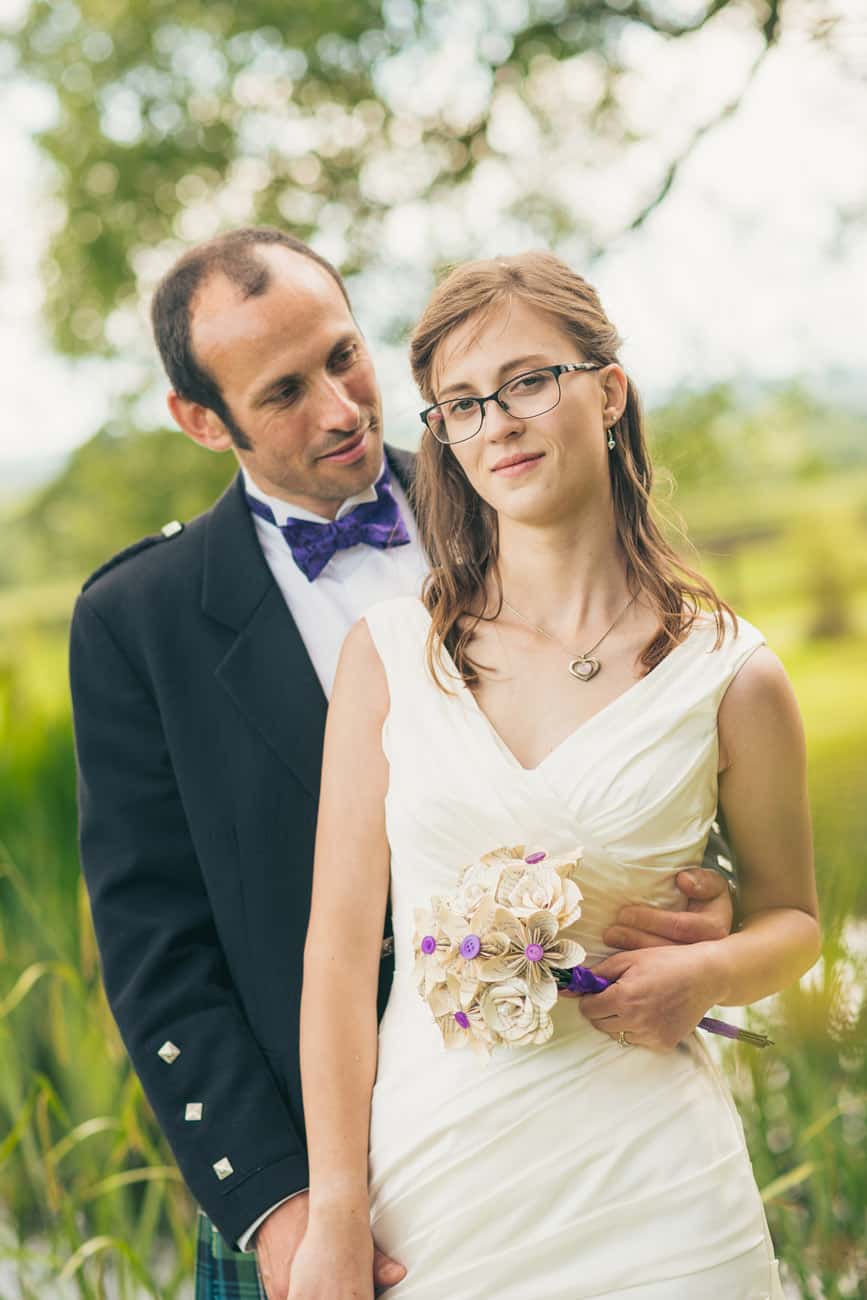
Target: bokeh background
{"points": [[703, 163]]}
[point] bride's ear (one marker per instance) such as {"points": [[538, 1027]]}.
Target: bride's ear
{"points": [[614, 386]]}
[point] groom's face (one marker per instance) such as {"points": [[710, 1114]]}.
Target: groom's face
{"points": [[297, 379]]}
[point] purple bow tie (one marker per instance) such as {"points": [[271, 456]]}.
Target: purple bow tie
{"points": [[375, 523]]}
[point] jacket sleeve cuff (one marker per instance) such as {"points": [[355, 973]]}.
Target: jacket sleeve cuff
{"points": [[268, 1186], [246, 1241]]}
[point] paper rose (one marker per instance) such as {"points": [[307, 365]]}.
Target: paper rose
{"points": [[513, 1016], [545, 889]]}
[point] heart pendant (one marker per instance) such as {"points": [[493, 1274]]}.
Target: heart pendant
{"points": [[584, 668]]}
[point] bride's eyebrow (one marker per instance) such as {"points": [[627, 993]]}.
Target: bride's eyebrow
{"points": [[462, 386]]}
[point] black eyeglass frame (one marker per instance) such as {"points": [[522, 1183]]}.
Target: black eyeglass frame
{"points": [[481, 402]]}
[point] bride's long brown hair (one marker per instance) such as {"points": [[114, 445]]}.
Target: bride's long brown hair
{"points": [[459, 530]]}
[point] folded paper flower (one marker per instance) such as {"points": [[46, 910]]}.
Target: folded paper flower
{"points": [[536, 949]]}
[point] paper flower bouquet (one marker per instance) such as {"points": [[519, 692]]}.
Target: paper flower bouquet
{"points": [[492, 957]]}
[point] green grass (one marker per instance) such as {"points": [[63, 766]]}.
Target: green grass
{"points": [[91, 1204]]}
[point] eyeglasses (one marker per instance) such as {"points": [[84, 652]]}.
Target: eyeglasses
{"points": [[527, 395]]}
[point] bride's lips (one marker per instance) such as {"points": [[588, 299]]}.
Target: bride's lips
{"points": [[352, 451], [512, 466]]}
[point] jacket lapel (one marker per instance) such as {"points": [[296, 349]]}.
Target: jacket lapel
{"points": [[402, 465], [267, 670]]}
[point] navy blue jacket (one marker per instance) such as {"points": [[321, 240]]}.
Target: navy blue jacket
{"points": [[199, 723]]}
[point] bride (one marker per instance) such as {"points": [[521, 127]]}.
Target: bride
{"points": [[564, 682]]}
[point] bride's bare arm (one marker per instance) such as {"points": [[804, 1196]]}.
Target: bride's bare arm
{"points": [[341, 969], [661, 993], [763, 793]]}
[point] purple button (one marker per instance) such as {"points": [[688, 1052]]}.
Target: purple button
{"points": [[471, 947], [532, 858], [534, 952], [428, 944], [461, 1018]]}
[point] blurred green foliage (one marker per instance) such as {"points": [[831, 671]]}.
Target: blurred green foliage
{"points": [[173, 118], [87, 1191], [722, 434], [113, 491]]}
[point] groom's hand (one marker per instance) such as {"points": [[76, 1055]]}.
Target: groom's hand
{"points": [[277, 1241], [709, 914]]}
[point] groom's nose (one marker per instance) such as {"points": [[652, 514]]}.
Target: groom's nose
{"points": [[337, 410]]}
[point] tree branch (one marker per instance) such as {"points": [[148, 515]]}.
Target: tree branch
{"points": [[770, 32], [640, 12]]}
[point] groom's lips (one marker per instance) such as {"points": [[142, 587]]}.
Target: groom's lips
{"points": [[351, 451]]}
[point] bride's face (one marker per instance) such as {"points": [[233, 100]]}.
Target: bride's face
{"points": [[537, 470]]}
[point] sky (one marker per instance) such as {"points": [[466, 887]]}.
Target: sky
{"points": [[754, 267]]}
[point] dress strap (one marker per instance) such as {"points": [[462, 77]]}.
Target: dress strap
{"points": [[399, 628], [705, 670]]}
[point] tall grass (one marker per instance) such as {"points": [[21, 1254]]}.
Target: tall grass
{"points": [[91, 1204], [806, 1110]]}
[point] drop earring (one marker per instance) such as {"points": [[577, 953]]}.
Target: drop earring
{"points": [[611, 442]]}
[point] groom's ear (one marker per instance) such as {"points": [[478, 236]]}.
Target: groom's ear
{"points": [[200, 423]]}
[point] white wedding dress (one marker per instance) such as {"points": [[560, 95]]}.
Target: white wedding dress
{"points": [[577, 1169]]}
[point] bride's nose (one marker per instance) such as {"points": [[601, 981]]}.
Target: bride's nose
{"points": [[499, 423]]}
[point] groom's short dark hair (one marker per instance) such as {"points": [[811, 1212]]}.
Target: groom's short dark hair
{"points": [[233, 255]]}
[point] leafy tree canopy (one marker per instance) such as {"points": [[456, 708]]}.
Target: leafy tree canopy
{"points": [[176, 118]]}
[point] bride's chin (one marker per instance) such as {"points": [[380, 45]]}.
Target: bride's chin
{"points": [[535, 509]]}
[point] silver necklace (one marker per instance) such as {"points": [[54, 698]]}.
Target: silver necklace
{"points": [[582, 666]]}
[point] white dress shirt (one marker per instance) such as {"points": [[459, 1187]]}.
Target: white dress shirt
{"points": [[324, 610], [353, 580]]}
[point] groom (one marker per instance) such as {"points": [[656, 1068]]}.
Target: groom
{"points": [[201, 662]]}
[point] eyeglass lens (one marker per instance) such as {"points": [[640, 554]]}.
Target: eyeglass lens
{"points": [[526, 396]]}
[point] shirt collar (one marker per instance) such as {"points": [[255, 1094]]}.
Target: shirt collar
{"points": [[284, 510]]}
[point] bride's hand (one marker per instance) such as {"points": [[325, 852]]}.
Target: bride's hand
{"points": [[659, 996], [334, 1261], [337, 1260]]}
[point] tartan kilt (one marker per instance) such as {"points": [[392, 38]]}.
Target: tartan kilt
{"points": [[221, 1272]]}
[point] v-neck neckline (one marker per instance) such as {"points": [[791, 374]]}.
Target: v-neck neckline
{"points": [[506, 749]]}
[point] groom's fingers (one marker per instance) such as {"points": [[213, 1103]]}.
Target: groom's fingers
{"points": [[386, 1272], [622, 936], [671, 927], [701, 883]]}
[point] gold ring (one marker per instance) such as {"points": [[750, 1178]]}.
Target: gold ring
{"points": [[622, 1040]]}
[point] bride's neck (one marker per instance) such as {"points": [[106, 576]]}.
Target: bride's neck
{"points": [[569, 575]]}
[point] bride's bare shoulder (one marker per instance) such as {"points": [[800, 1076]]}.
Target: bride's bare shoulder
{"points": [[759, 711]]}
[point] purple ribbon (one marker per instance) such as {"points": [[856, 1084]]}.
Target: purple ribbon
{"points": [[374, 523]]}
